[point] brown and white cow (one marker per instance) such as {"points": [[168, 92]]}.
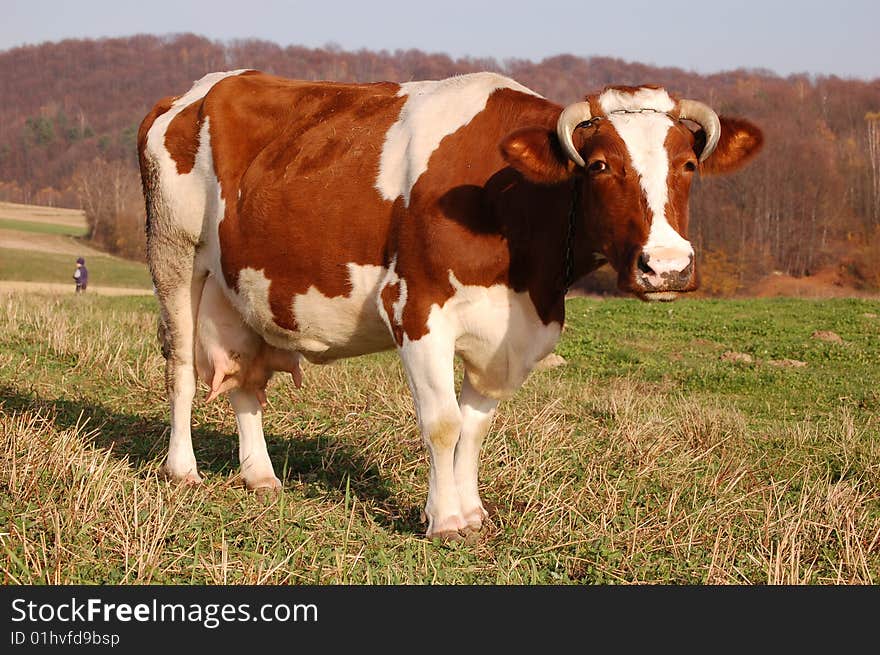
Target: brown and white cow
{"points": [[290, 218]]}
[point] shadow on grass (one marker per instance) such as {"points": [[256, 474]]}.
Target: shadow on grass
{"points": [[314, 460]]}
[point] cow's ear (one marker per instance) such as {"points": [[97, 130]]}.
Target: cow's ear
{"points": [[740, 141], [535, 152]]}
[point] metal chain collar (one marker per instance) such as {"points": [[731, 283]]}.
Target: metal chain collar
{"points": [[643, 110], [568, 266]]}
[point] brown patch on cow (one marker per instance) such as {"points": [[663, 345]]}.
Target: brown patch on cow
{"points": [[304, 157], [158, 109], [827, 335], [683, 163], [444, 433], [390, 294], [630, 90], [618, 217], [740, 141], [472, 214], [536, 153], [615, 216], [182, 137]]}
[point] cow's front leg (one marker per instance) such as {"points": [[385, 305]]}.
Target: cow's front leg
{"points": [[429, 367], [256, 467], [477, 411]]}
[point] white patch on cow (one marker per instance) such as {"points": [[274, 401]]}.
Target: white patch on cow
{"points": [[391, 279], [476, 416], [344, 325], [497, 332], [644, 135], [644, 98], [252, 301], [256, 467], [328, 328], [400, 303], [185, 195], [433, 110], [213, 206], [428, 362]]}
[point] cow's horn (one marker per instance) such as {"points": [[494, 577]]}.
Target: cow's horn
{"points": [[569, 119], [706, 118]]}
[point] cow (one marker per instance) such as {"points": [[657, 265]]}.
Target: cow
{"points": [[323, 220]]}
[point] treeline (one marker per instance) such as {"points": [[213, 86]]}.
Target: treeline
{"points": [[70, 112]]}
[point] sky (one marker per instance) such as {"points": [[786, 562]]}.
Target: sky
{"points": [[824, 37]]}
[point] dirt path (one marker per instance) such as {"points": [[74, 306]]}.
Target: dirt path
{"points": [[38, 214], [52, 243], [12, 286]]}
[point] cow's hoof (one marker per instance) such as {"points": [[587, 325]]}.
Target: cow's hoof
{"points": [[447, 537], [187, 479], [472, 535], [475, 518], [450, 529], [265, 486]]}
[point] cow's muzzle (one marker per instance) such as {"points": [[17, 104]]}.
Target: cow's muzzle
{"points": [[662, 273]]}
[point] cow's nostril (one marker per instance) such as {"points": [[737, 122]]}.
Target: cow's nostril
{"points": [[643, 265]]}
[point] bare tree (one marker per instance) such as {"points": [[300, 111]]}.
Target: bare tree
{"points": [[110, 195], [873, 121]]}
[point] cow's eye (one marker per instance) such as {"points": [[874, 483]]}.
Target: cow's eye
{"points": [[597, 166], [690, 166]]}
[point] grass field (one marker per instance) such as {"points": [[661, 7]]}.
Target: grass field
{"points": [[32, 266], [657, 454], [42, 227]]}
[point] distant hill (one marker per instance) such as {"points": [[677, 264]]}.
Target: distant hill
{"points": [[810, 201]]}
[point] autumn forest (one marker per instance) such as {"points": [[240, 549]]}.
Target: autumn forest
{"points": [[809, 206]]}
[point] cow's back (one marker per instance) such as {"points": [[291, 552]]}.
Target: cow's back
{"points": [[304, 234], [273, 178], [295, 192]]}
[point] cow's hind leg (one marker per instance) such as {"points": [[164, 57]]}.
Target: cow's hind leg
{"points": [[256, 467], [179, 290], [429, 367], [477, 411]]}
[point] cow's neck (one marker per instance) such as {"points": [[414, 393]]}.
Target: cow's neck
{"points": [[536, 221]]}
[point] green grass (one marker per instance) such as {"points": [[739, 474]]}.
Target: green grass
{"points": [[42, 228], [28, 266], [647, 458], [679, 345]]}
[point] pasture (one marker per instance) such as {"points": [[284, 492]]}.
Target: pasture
{"points": [[39, 245], [659, 453]]}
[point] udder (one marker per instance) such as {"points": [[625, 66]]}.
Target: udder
{"points": [[230, 355]]}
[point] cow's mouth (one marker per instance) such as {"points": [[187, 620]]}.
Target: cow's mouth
{"points": [[663, 284], [647, 285], [638, 277], [661, 296]]}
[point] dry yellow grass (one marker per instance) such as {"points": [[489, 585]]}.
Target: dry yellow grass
{"points": [[587, 480]]}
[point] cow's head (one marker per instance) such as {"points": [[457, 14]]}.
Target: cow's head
{"points": [[634, 152]]}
